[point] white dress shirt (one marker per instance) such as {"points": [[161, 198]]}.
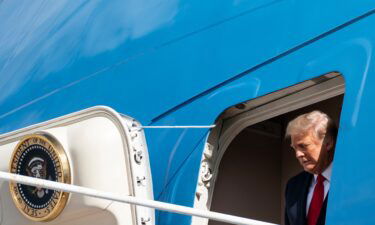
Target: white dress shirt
{"points": [[327, 175]]}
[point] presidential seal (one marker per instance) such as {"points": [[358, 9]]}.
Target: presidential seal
{"points": [[40, 156]]}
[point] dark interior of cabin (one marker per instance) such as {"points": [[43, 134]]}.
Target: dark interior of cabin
{"points": [[257, 164]]}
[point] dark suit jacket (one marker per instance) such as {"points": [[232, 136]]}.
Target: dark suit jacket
{"points": [[295, 200]]}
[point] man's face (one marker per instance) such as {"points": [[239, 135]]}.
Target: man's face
{"points": [[312, 153]]}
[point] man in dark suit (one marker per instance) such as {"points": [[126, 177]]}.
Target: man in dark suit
{"points": [[313, 137]]}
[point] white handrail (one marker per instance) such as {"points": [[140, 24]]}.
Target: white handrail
{"points": [[128, 199]]}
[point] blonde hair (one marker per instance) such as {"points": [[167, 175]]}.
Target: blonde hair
{"points": [[320, 123]]}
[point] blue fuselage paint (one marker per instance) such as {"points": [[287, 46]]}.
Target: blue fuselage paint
{"points": [[183, 63]]}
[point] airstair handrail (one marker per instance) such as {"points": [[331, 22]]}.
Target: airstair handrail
{"points": [[128, 199]]}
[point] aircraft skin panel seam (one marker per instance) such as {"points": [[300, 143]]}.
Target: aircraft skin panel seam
{"points": [[269, 61], [133, 57], [180, 166], [188, 101]]}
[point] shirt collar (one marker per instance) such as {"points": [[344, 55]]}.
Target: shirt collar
{"points": [[326, 173]]}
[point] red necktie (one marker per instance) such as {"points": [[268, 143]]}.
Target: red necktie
{"points": [[316, 201]]}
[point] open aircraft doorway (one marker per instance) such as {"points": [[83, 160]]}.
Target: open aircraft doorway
{"points": [[247, 161]]}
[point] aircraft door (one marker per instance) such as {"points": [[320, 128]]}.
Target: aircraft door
{"points": [[96, 148]]}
